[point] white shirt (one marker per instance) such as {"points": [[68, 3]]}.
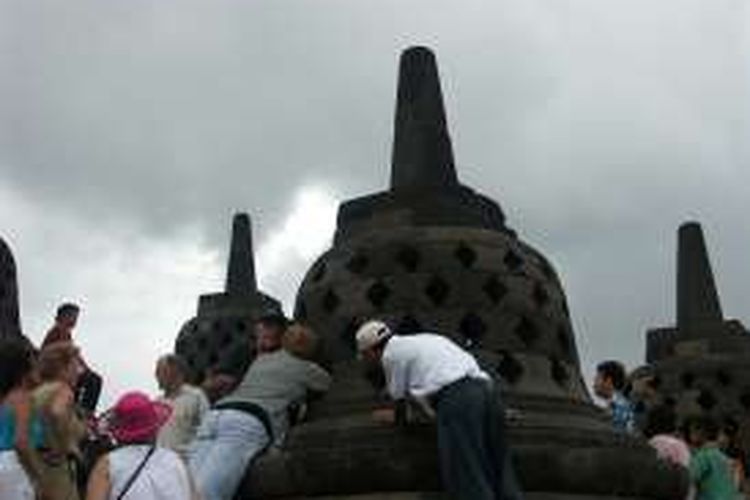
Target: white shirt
{"points": [[164, 477], [189, 404], [420, 365]]}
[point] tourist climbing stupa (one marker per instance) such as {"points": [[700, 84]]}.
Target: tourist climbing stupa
{"points": [[432, 254], [221, 333], [10, 323], [702, 364]]}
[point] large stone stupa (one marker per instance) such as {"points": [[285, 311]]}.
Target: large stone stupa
{"points": [[432, 254], [221, 332]]}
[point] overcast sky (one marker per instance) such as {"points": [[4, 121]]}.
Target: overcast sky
{"points": [[130, 132]]}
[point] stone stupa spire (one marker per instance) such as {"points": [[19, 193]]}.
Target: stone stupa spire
{"points": [[241, 268], [697, 298], [422, 154]]}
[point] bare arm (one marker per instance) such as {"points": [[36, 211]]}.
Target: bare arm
{"points": [[22, 409], [99, 484]]}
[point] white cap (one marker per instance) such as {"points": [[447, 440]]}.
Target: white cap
{"points": [[371, 334]]}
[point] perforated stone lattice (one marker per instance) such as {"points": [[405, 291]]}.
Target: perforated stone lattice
{"points": [[497, 297]]}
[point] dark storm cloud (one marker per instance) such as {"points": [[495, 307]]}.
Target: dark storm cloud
{"points": [[598, 125]]}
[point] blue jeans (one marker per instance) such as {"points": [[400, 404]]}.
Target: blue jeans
{"points": [[226, 442]]}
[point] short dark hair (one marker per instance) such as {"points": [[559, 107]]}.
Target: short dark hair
{"points": [[274, 319], [704, 424], [615, 371], [67, 309], [16, 361], [661, 419]]}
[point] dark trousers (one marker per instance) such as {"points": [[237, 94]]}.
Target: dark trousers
{"points": [[474, 459], [88, 389]]}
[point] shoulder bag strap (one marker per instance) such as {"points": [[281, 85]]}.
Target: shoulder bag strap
{"points": [[136, 473]]}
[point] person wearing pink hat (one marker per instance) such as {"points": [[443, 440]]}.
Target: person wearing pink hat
{"points": [[138, 469]]}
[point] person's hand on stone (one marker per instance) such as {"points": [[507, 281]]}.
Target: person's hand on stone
{"points": [[384, 415]]}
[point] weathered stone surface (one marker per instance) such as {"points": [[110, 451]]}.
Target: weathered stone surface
{"points": [[701, 365], [221, 332], [430, 254], [10, 323]]}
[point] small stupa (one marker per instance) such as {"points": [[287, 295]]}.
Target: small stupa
{"points": [[221, 333], [701, 365]]}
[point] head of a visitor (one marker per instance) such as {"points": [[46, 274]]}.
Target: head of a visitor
{"points": [[728, 433], [60, 362], [661, 419], [269, 330], [700, 430], [300, 341], [16, 364], [610, 378], [371, 339], [171, 372], [136, 419], [67, 315]]}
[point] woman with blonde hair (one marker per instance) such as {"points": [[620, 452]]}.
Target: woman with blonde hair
{"points": [[59, 368]]}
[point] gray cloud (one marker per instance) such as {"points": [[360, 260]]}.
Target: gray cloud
{"points": [[599, 126]]}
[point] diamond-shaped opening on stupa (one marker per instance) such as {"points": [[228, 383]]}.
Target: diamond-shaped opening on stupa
{"points": [[512, 260], [348, 334], [706, 400], [509, 367], [723, 378], [540, 295], [241, 326], [559, 372], [687, 379], [226, 339], [378, 293], [331, 301], [408, 257], [437, 290], [527, 331], [495, 289], [465, 255], [745, 400], [358, 263], [472, 327]]}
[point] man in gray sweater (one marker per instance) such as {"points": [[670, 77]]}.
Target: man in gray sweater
{"points": [[255, 414]]}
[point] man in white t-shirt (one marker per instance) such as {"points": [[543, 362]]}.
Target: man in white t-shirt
{"points": [[188, 403], [433, 371]]}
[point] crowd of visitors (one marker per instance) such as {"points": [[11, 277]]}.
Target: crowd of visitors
{"points": [[197, 442], [708, 451]]}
